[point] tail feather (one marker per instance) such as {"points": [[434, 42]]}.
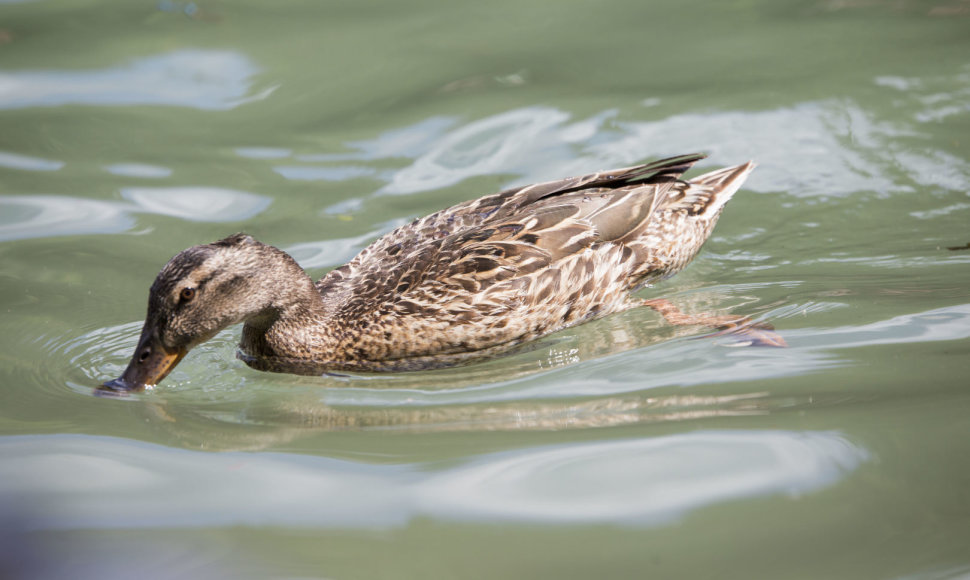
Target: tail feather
{"points": [[707, 194]]}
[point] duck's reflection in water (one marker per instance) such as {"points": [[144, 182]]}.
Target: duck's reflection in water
{"points": [[542, 386], [293, 419]]}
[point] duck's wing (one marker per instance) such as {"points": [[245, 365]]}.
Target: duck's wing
{"points": [[657, 172], [529, 235], [637, 189]]}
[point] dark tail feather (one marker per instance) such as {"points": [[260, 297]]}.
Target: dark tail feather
{"points": [[670, 168]]}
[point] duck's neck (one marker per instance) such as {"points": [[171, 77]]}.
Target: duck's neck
{"points": [[292, 323]]}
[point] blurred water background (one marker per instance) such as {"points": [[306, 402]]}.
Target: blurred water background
{"points": [[621, 448]]}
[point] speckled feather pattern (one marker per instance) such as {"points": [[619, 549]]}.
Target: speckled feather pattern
{"points": [[486, 275]]}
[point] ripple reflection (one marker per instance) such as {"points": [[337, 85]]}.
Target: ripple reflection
{"points": [[24, 162], [842, 149], [202, 79], [138, 170], [198, 203], [643, 482], [40, 216]]}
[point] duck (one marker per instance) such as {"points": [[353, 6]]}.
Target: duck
{"points": [[463, 284]]}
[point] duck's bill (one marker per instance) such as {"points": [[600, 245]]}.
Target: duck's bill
{"points": [[149, 365]]}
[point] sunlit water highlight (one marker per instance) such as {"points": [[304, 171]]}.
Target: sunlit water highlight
{"points": [[536, 143], [47, 215], [202, 79], [633, 482]]}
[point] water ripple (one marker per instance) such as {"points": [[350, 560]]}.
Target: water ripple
{"points": [[301, 173], [117, 483], [99, 354], [496, 144], [197, 203], [138, 170], [24, 162], [934, 96], [643, 481], [103, 353], [41, 216], [840, 147], [263, 152], [201, 79]]}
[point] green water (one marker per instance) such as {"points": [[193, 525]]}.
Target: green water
{"points": [[622, 448]]}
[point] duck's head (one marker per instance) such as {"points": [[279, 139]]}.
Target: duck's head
{"points": [[198, 293]]}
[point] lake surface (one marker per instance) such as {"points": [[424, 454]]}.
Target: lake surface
{"points": [[621, 448]]}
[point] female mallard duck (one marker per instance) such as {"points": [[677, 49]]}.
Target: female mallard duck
{"points": [[464, 283]]}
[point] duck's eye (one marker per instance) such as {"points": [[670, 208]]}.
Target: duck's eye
{"points": [[187, 293]]}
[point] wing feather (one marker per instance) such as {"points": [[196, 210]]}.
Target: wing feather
{"points": [[512, 234]]}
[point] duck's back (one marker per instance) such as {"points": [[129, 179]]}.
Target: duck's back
{"points": [[491, 273]]}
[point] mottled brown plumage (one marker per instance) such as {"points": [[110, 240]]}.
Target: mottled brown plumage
{"points": [[467, 282]]}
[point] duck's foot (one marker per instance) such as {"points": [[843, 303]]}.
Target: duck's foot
{"points": [[749, 332]]}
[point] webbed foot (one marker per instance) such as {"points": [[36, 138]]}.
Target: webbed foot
{"points": [[747, 331]]}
